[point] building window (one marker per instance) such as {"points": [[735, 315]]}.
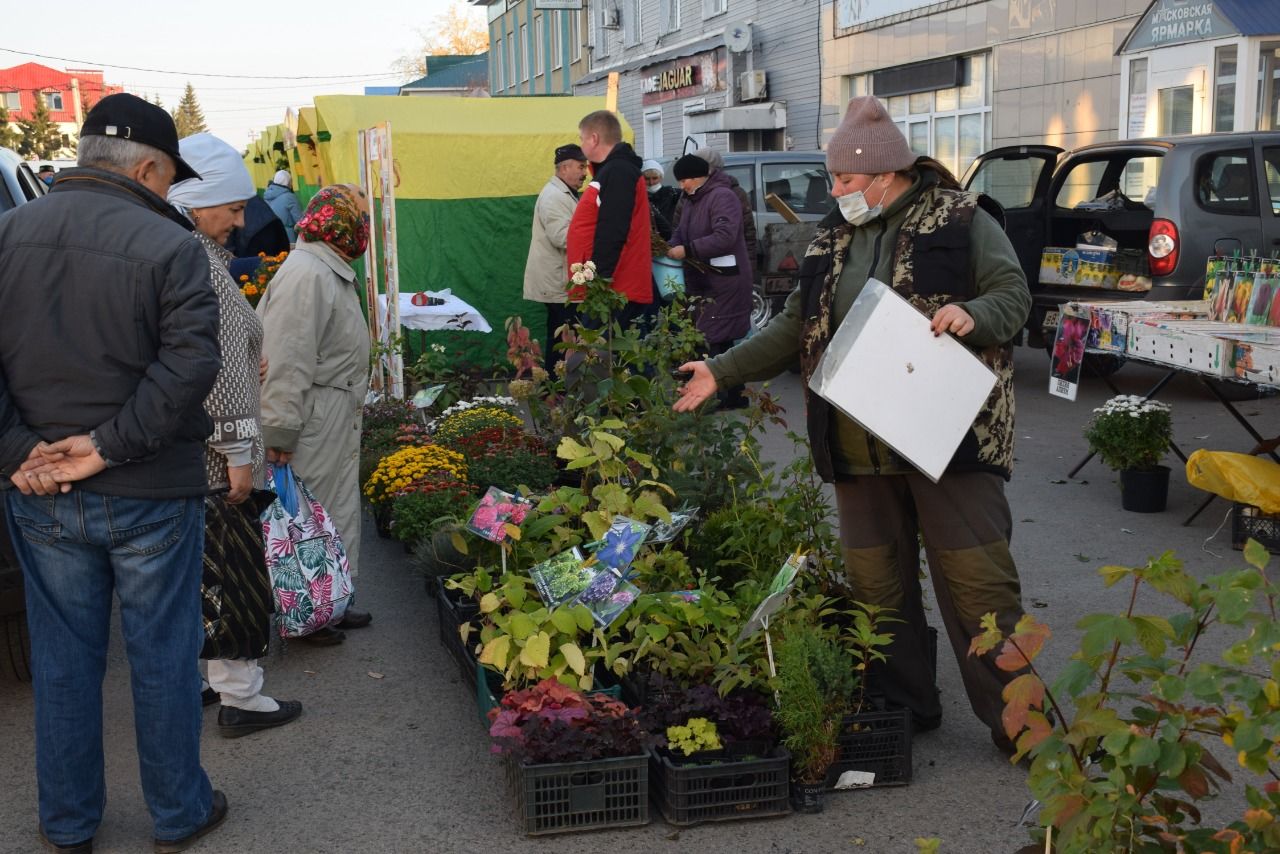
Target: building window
{"points": [[1268, 117], [53, 100], [632, 26], [511, 62], [1224, 88], [499, 78], [1137, 98], [524, 52], [670, 15], [653, 133], [575, 33], [603, 13], [557, 39], [692, 140], [539, 32], [953, 125], [1177, 106], [711, 8], [13, 100]]}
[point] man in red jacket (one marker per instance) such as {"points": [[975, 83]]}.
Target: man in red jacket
{"points": [[611, 223]]}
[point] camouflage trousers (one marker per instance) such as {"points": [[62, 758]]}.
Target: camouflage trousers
{"points": [[965, 524]]}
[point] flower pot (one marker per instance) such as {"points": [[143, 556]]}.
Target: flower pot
{"points": [[807, 797], [1144, 490], [382, 520]]}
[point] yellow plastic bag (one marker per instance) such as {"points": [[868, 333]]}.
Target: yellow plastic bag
{"points": [[1237, 477]]}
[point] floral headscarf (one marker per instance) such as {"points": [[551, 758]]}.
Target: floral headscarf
{"points": [[333, 216]]}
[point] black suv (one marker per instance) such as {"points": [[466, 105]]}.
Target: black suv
{"points": [[1176, 200]]}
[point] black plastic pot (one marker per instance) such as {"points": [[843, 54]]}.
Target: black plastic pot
{"points": [[807, 797], [1144, 490]]}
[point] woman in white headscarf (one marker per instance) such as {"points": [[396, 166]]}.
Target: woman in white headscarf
{"points": [[237, 591]]}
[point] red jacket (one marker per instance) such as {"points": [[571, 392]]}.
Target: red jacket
{"points": [[611, 226]]}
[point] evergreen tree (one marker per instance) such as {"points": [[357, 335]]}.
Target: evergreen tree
{"points": [[187, 116], [41, 138], [8, 134]]}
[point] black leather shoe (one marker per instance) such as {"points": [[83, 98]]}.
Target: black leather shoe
{"points": [[324, 637], [233, 723], [217, 814], [355, 619], [209, 697], [85, 847]]}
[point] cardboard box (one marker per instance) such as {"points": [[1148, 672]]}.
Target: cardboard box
{"points": [[1258, 363], [1109, 321], [1082, 268], [1169, 344]]}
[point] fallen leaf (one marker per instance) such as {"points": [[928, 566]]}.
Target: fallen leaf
{"points": [[1057, 481], [1082, 482], [1039, 603], [1205, 436], [1125, 531], [1028, 520], [1081, 557], [309, 672], [373, 675]]}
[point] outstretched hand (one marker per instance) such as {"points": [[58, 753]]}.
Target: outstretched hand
{"points": [[699, 387]]}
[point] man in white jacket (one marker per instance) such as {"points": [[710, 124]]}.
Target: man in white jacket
{"points": [[546, 271]]}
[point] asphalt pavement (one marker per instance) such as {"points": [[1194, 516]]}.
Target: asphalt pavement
{"points": [[389, 756]]}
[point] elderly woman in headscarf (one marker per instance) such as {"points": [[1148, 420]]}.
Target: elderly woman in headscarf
{"points": [[237, 602], [662, 199], [317, 346]]}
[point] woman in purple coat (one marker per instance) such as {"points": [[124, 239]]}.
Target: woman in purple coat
{"points": [[711, 242]]}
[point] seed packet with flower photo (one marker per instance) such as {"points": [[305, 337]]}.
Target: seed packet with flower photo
{"points": [[607, 596], [620, 543], [495, 511], [664, 532]]}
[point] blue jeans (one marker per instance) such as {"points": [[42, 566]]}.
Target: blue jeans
{"points": [[74, 549]]}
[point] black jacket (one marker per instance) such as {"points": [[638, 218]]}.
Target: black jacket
{"points": [[617, 177], [262, 232], [108, 322]]}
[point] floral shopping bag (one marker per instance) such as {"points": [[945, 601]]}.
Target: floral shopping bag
{"points": [[310, 576]]}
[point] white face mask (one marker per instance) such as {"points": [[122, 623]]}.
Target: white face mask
{"points": [[655, 188], [854, 209]]}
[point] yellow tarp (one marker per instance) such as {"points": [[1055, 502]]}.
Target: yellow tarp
{"points": [[454, 148], [1237, 477]]}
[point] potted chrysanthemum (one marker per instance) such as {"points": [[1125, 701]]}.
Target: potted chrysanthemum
{"points": [[1132, 434]]}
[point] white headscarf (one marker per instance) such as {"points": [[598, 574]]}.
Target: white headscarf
{"points": [[283, 178], [652, 166], [223, 178]]}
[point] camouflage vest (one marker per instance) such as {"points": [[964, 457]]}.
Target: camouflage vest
{"points": [[931, 247]]}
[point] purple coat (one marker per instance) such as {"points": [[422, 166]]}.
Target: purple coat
{"points": [[711, 227]]}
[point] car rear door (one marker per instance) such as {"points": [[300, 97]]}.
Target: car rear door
{"points": [[1018, 178], [1269, 157]]}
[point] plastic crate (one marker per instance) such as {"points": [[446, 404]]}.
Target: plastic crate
{"points": [[489, 691], [877, 742], [599, 794], [451, 618], [1250, 523], [725, 791]]}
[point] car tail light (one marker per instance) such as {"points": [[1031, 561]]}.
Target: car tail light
{"points": [[1162, 247]]}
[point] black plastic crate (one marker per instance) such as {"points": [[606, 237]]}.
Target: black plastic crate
{"points": [[878, 742], [599, 794], [452, 615], [724, 791], [1250, 523]]}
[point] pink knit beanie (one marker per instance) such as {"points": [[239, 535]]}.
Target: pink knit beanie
{"points": [[867, 142]]}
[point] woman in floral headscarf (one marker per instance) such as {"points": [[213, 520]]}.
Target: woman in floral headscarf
{"points": [[317, 347]]}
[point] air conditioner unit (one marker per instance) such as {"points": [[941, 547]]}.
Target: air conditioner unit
{"points": [[610, 19], [753, 86]]}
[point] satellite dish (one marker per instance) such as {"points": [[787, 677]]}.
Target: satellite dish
{"points": [[737, 37]]}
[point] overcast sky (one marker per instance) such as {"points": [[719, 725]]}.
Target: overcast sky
{"points": [[317, 38]]}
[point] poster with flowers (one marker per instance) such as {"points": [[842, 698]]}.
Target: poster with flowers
{"points": [[496, 511], [1068, 352], [561, 578]]}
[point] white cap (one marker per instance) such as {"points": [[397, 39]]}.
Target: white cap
{"points": [[223, 178], [283, 178]]}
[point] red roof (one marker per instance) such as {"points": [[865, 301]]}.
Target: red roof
{"points": [[33, 77]]}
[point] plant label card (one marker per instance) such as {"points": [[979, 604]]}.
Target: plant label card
{"points": [[496, 510], [620, 544], [1074, 328], [607, 596], [561, 578], [779, 590], [665, 533], [427, 396], [885, 369]]}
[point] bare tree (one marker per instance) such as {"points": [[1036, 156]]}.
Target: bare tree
{"points": [[457, 32]]}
